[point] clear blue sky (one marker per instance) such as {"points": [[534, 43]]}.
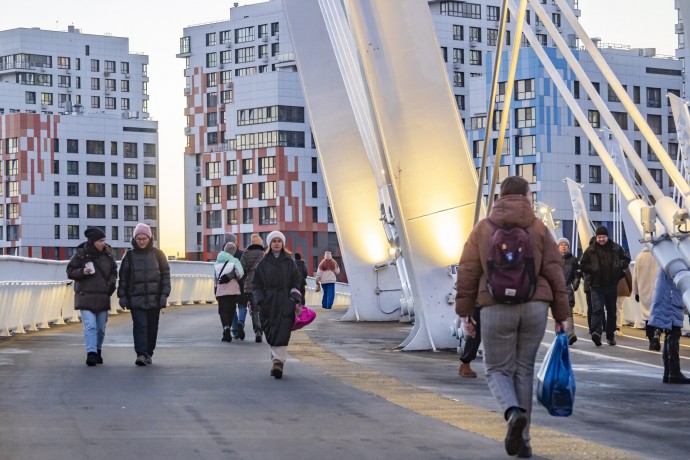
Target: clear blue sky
{"points": [[155, 26]]}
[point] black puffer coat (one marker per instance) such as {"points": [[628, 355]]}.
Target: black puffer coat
{"points": [[144, 278], [605, 264], [274, 278], [571, 271], [92, 292]]}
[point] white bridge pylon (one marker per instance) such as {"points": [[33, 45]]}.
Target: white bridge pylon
{"points": [[413, 143]]}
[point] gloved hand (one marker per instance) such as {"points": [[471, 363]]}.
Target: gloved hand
{"points": [[296, 296], [576, 285], [637, 297], [163, 302], [123, 304]]}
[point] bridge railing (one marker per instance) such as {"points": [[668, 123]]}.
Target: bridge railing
{"points": [[35, 293]]}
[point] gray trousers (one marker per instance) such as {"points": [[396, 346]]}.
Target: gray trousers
{"points": [[512, 335]]}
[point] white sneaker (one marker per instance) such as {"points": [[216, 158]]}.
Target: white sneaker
{"points": [[618, 333]]}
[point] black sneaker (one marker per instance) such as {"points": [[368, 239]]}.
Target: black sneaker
{"points": [[517, 421], [257, 337], [611, 342], [91, 358], [596, 338], [226, 335], [240, 331], [99, 359], [655, 344], [572, 340]]}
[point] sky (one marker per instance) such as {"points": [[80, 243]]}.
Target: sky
{"points": [[154, 28]]}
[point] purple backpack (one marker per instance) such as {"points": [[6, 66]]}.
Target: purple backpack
{"points": [[511, 277]]}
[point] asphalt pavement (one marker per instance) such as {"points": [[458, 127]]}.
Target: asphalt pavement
{"points": [[348, 392]]}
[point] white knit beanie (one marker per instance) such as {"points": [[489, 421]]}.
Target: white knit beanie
{"points": [[275, 234], [562, 240]]}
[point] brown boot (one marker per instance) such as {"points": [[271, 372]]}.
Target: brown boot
{"points": [[466, 371], [277, 369]]}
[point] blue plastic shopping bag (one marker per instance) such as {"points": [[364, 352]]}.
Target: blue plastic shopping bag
{"points": [[556, 382]]}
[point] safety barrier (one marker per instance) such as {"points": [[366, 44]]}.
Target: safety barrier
{"points": [[35, 294]]}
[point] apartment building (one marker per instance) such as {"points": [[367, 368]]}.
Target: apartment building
{"points": [[77, 144], [250, 161], [239, 75]]}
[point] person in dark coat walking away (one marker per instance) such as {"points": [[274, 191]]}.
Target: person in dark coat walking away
{"points": [[605, 263], [512, 333], [251, 257], [227, 271], [667, 315], [144, 289], [276, 291], [302, 267], [240, 315], [94, 271], [571, 271]]}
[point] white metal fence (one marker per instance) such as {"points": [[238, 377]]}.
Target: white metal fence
{"points": [[35, 293]]}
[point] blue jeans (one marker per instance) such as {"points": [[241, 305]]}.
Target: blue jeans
{"points": [[328, 295], [145, 330], [239, 317], [94, 329]]}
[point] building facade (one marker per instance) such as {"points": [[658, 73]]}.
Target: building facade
{"points": [[78, 148], [240, 76]]}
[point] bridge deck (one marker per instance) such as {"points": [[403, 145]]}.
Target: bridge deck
{"points": [[347, 393]]}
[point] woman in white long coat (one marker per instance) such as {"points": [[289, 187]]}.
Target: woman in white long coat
{"points": [[644, 278]]}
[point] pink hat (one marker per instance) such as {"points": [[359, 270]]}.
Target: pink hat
{"points": [[142, 229]]}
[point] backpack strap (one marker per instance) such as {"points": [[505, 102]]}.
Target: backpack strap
{"points": [[221, 272]]}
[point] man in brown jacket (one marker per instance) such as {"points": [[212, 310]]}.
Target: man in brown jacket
{"points": [[512, 333]]}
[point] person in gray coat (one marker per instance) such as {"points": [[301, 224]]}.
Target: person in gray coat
{"points": [[667, 315], [93, 269], [144, 289]]}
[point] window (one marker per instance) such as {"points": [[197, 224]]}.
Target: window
{"points": [[541, 38], [654, 122], [114, 211], [95, 211], [212, 119], [267, 165], [113, 190], [124, 103], [458, 79], [214, 219], [12, 145], [247, 166], [275, 28], [95, 147], [95, 168], [243, 55], [150, 171], [226, 57], [211, 59], [150, 191], [184, 45], [73, 210], [525, 117], [47, 98], [232, 216], [231, 191], [458, 32], [247, 191], [150, 212], [578, 173], [621, 118], [492, 37], [211, 81], [267, 215], [213, 194], [211, 39], [63, 62], [475, 34], [97, 190], [475, 57], [267, 190], [244, 34], [72, 189], [578, 149], [525, 145], [524, 89], [129, 149], [248, 216], [12, 211], [576, 89], [131, 213], [73, 232], [636, 94], [12, 167], [527, 171], [673, 150], [131, 192], [493, 13], [231, 168], [213, 170], [556, 19], [654, 97], [593, 118], [130, 171], [595, 201], [478, 122], [30, 97], [658, 176], [460, 101], [56, 210], [595, 174]]}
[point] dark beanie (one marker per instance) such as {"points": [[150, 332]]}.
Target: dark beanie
{"points": [[601, 230], [94, 234]]}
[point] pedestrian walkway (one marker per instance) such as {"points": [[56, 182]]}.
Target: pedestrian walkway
{"points": [[347, 393]]}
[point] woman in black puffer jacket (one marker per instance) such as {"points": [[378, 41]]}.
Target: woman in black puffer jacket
{"points": [[144, 289], [93, 285], [276, 290]]}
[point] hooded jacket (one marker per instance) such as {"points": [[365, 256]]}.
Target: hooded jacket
{"points": [[644, 277], [511, 210], [667, 306], [92, 292], [226, 263], [251, 257], [144, 278]]}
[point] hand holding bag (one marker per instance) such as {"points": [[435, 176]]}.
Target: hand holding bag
{"points": [[556, 381], [303, 317], [318, 287]]}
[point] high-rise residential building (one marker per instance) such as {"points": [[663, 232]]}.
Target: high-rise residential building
{"points": [[250, 161], [77, 144], [240, 76]]}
